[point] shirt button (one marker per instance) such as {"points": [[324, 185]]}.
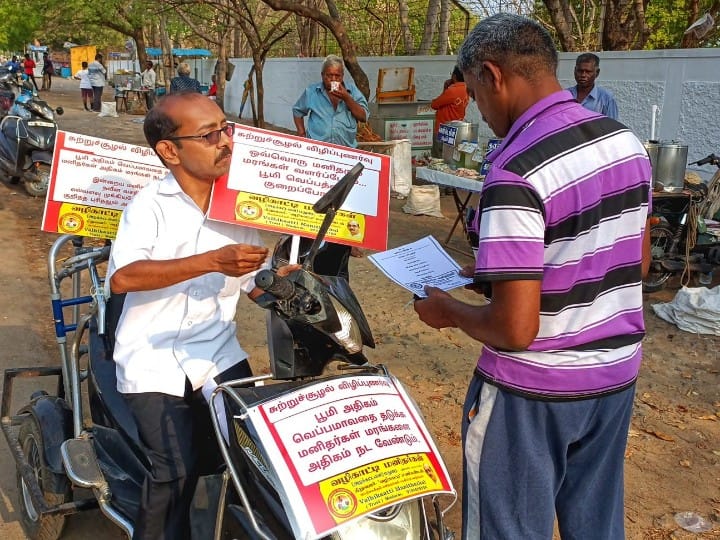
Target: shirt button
{"points": [[189, 323]]}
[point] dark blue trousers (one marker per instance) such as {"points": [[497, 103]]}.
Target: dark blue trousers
{"points": [[528, 461]]}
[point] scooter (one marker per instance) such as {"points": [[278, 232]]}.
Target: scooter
{"points": [[27, 138], [681, 244], [306, 453]]}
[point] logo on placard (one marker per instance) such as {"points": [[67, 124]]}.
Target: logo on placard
{"points": [[70, 222], [342, 503], [248, 210]]}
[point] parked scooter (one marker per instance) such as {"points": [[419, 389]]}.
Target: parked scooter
{"points": [[681, 244], [27, 138], [313, 321]]}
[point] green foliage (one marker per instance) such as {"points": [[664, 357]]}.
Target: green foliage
{"points": [[667, 20]]}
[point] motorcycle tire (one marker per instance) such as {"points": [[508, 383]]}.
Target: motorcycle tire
{"points": [[36, 525], [39, 187], [661, 237]]}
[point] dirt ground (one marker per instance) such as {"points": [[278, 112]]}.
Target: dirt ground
{"points": [[673, 453]]}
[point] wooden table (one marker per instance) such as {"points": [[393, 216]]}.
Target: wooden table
{"points": [[132, 95]]}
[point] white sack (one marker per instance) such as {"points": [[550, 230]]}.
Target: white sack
{"points": [[694, 309], [108, 108], [424, 200]]}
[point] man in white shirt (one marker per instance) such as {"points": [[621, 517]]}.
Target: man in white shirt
{"points": [[147, 81], [182, 275], [97, 75]]}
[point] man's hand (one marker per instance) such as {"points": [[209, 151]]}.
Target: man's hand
{"points": [[469, 271], [239, 259], [430, 309], [288, 269]]}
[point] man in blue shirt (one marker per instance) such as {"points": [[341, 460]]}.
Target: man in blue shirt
{"points": [[586, 92], [13, 65], [333, 107]]}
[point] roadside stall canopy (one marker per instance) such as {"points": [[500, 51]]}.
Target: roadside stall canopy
{"points": [[183, 55]]}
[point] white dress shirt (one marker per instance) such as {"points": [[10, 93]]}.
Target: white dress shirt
{"points": [[186, 329]]}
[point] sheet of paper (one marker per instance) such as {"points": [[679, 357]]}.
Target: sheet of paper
{"points": [[420, 263]]}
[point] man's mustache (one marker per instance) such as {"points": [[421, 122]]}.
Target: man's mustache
{"points": [[225, 153]]}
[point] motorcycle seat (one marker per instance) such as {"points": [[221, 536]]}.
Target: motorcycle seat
{"points": [[107, 405]]}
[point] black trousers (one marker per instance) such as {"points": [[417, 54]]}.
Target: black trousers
{"points": [[97, 98], [178, 437]]}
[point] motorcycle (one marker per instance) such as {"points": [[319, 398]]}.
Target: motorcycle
{"points": [[294, 463], [27, 138], [681, 242]]}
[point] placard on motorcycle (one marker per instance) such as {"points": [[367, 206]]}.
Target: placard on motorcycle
{"points": [[345, 447], [273, 182]]}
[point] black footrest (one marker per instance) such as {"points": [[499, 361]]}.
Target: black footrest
{"points": [[81, 464]]}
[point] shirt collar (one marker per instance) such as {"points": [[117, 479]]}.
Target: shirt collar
{"points": [[169, 185]]}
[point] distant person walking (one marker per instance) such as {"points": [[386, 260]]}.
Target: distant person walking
{"points": [[86, 90], [48, 71], [97, 75], [590, 95], [184, 82], [29, 67]]}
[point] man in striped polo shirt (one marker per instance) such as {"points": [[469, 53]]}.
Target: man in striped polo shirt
{"points": [[562, 249]]}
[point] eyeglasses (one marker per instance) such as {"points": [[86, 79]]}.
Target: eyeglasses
{"points": [[212, 137]]}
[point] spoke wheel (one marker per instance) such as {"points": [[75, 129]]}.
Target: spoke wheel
{"points": [[37, 526], [661, 238]]}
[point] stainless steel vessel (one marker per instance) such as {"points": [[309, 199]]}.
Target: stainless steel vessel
{"points": [[668, 160]]}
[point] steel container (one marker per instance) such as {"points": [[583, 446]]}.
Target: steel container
{"points": [[668, 160]]}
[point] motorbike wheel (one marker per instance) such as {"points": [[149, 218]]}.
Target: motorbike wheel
{"points": [[37, 526], [39, 187], [661, 238]]}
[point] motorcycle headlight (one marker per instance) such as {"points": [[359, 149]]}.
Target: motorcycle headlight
{"points": [[400, 522], [349, 335], [41, 110]]}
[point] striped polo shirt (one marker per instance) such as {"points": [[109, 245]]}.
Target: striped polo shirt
{"points": [[566, 202]]}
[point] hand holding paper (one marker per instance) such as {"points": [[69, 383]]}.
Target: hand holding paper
{"points": [[420, 263]]}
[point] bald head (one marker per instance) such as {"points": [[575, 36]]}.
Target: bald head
{"points": [[163, 119]]}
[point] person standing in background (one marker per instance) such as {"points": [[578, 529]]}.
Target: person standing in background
{"points": [[590, 95], [148, 79], [563, 245], [86, 90], [333, 109], [48, 70], [212, 92], [97, 75], [29, 67], [184, 82], [449, 106]]}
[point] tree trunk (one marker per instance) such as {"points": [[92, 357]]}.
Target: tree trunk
{"points": [[220, 73], [139, 37], [407, 38], [166, 56], [561, 23], [429, 33], [332, 22], [442, 46], [258, 63]]}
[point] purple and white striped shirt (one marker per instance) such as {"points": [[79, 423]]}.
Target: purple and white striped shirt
{"points": [[566, 201]]}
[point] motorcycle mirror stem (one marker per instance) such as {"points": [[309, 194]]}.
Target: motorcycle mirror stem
{"points": [[329, 204]]}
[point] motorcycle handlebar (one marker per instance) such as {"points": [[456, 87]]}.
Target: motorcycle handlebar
{"points": [[280, 287]]}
